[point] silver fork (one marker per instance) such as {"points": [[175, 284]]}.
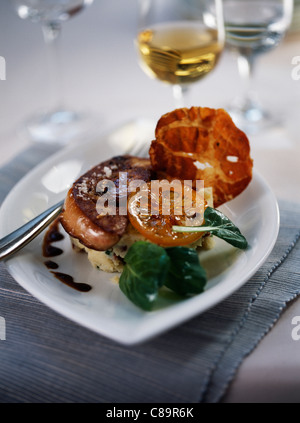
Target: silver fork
{"points": [[15, 241], [22, 236]]}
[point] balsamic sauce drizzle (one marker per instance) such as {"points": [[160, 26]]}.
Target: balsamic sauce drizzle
{"points": [[68, 280], [51, 264], [54, 235]]}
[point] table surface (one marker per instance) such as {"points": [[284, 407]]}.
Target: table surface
{"points": [[101, 76]]}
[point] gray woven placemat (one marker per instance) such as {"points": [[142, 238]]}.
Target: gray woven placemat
{"points": [[47, 358]]}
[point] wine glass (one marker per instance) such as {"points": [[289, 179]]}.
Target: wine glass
{"points": [[59, 125], [179, 42], [253, 27]]}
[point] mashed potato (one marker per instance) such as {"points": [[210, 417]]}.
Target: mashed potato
{"points": [[112, 260]]}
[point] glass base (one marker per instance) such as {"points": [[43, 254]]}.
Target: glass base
{"points": [[251, 118], [57, 127]]}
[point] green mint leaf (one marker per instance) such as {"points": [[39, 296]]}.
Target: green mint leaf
{"points": [[224, 228], [145, 271], [219, 225], [186, 276]]}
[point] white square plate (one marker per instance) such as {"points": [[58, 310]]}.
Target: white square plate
{"points": [[105, 309]]}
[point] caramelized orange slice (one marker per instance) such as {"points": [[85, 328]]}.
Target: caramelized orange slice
{"points": [[156, 208]]}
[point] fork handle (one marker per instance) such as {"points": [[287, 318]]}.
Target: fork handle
{"points": [[13, 242]]}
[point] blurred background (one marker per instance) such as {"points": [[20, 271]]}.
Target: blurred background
{"points": [[102, 76]]}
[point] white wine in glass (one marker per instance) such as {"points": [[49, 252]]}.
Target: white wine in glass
{"points": [[180, 41], [253, 27], [60, 125]]}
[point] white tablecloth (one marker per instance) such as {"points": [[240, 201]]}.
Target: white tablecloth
{"points": [[101, 75]]}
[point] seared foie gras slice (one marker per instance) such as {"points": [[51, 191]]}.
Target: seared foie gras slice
{"points": [[79, 226], [80, 217]]}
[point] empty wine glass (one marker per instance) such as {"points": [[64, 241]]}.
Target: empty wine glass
{"points": [[179, 41], [59, 125], [253, 27]]}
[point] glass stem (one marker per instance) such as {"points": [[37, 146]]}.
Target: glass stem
{"points": [[180, 94], [250, 106], [246, 71], [52, 38]]}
